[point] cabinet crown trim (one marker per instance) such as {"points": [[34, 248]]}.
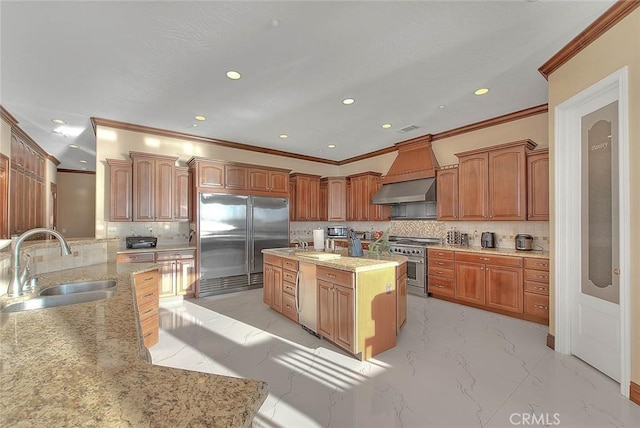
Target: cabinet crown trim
{"points": [[529, 144]]}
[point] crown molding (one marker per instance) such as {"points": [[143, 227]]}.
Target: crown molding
{"points": [[608, 19], [184, 136], [7, 117], [76, 171]]}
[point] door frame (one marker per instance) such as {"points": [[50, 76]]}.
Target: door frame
{"points": [[567, 170]]}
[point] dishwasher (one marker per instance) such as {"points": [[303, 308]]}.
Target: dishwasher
{"points": [[307, 297]]}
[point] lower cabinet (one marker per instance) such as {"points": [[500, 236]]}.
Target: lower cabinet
{"points": [[177, 272], [272, 282], [335, 313], [536, 289], [401, 296], [147, 304], [470, 284]]}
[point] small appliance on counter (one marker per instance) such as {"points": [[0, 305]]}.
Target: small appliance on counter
{"points": [[134, 242], [318, 239], [337, 231], [464, 239], [355, 245], [488, 240], [524, 242]]}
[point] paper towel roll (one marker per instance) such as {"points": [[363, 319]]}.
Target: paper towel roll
{"points": [[318, 239]]}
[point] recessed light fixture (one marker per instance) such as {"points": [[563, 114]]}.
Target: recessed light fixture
{"points": [[348, 101], [73, 146], [200, 117], [283, 136], [441, 106], [58, 121], [481, 91], [195, 125], [386, 126], [332, 146], [83, 161], [233, 75]]}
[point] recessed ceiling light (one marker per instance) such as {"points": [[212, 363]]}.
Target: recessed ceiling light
{"points": [[441, 106], [481, 91], [58, 121], [348, 101], [332, 146], [83, 161], [283, 136], [194, 125], [73, 146], [200, 118], [386, 126], [233, 75]]}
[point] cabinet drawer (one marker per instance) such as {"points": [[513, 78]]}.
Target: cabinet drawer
{"points": [[489, 259], [401, 270], [536, 275], [175, 255], [145, 279], [438, 271], [447, 264], [536, 287], [441, 254], [442, 286], [289, 288], [149, 328], [539, 264], [289, 276], [536, 305], [335, 276], [290, 264], [272, 260], [136, 258], [289, 307], [148, 309]]}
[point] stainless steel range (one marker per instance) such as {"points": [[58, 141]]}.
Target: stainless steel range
{"points": [[415, 249]]}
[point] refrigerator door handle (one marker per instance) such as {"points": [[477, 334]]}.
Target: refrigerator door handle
{"points": [[296, 295]]}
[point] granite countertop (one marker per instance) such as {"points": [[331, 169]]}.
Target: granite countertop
{"points": [[368, 262], [52, 243], [496, 251], [80, 365], [172, 247]]}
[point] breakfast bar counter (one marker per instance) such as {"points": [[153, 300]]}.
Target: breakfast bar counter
{"points": [[85, 365]]}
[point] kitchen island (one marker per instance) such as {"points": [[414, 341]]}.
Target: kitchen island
{"points": [[85, 365], [358, 303]]}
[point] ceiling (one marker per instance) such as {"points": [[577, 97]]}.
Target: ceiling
{"points": [[159, 64]]}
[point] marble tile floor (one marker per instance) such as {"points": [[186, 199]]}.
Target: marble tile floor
{"points": [[454, 366]]}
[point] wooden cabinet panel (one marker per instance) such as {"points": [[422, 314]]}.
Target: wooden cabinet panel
{"points": [[307, 196], [447, 191], [259, 180], [361, 189], [536, 287], [146, 293], [344, 317], [182, 194], [335, 276], [323, 204], [164, 189], [279, 182], [166, 271], [136, 258], [120, 188], [536, 275], [537, 306], [210, 174], [289, 307], [153, 187], [507, 184], [504, 288], [538, 186], [489, 259], [535, 263], [401, 299], [272, 282], [441, 286], [470, 282], [236, 177], [277, 289], [143, 189], [325, 309], [185, 277], [267, 180], [267, 284], [441, 254], [473, 192]]}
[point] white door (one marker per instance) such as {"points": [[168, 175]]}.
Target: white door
{"points": [[595, 327]]}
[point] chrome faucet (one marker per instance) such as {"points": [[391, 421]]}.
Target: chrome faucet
{"points": [[303, 244], [19, 278]]}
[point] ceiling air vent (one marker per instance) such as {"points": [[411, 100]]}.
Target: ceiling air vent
{"points": [[407, 129]]}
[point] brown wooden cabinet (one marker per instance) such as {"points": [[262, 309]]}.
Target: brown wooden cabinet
{"points": [[236, 177], [323, 204], [153, 187], [272, 282], [120, 188], [536, 289], [441, 272], [177, 272], [538, 185], [306, 188], [336, 306], [147, 304], [447, 191], [492, 182], [269, 180], [182, 202], [208, 175], [333, 199], [362, 188]]}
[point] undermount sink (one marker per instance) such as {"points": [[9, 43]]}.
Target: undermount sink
{"points": [[66, 294]]}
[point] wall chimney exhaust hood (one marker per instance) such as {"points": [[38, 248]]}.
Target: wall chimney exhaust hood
{"points": [[423, 190]]}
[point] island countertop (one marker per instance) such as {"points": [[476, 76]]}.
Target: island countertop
{"points": [[369, 261], [80, 365]]}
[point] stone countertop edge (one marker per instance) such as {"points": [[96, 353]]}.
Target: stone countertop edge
{"points": [[538, 254], [80, 365], [350, 264], [156, 249]]}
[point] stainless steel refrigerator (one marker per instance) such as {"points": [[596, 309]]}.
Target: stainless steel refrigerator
{"points": [[233, 230]]}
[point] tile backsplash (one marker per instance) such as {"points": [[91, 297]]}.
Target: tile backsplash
{"points": [[168, 233]]}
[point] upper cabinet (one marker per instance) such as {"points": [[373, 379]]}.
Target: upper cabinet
{"points": [[181, 195], [120, 188], [333, 199], [362, 188], [237, 178], [306, 188], [447, 191], [538, 185], [492, 182], [153, 187]]}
